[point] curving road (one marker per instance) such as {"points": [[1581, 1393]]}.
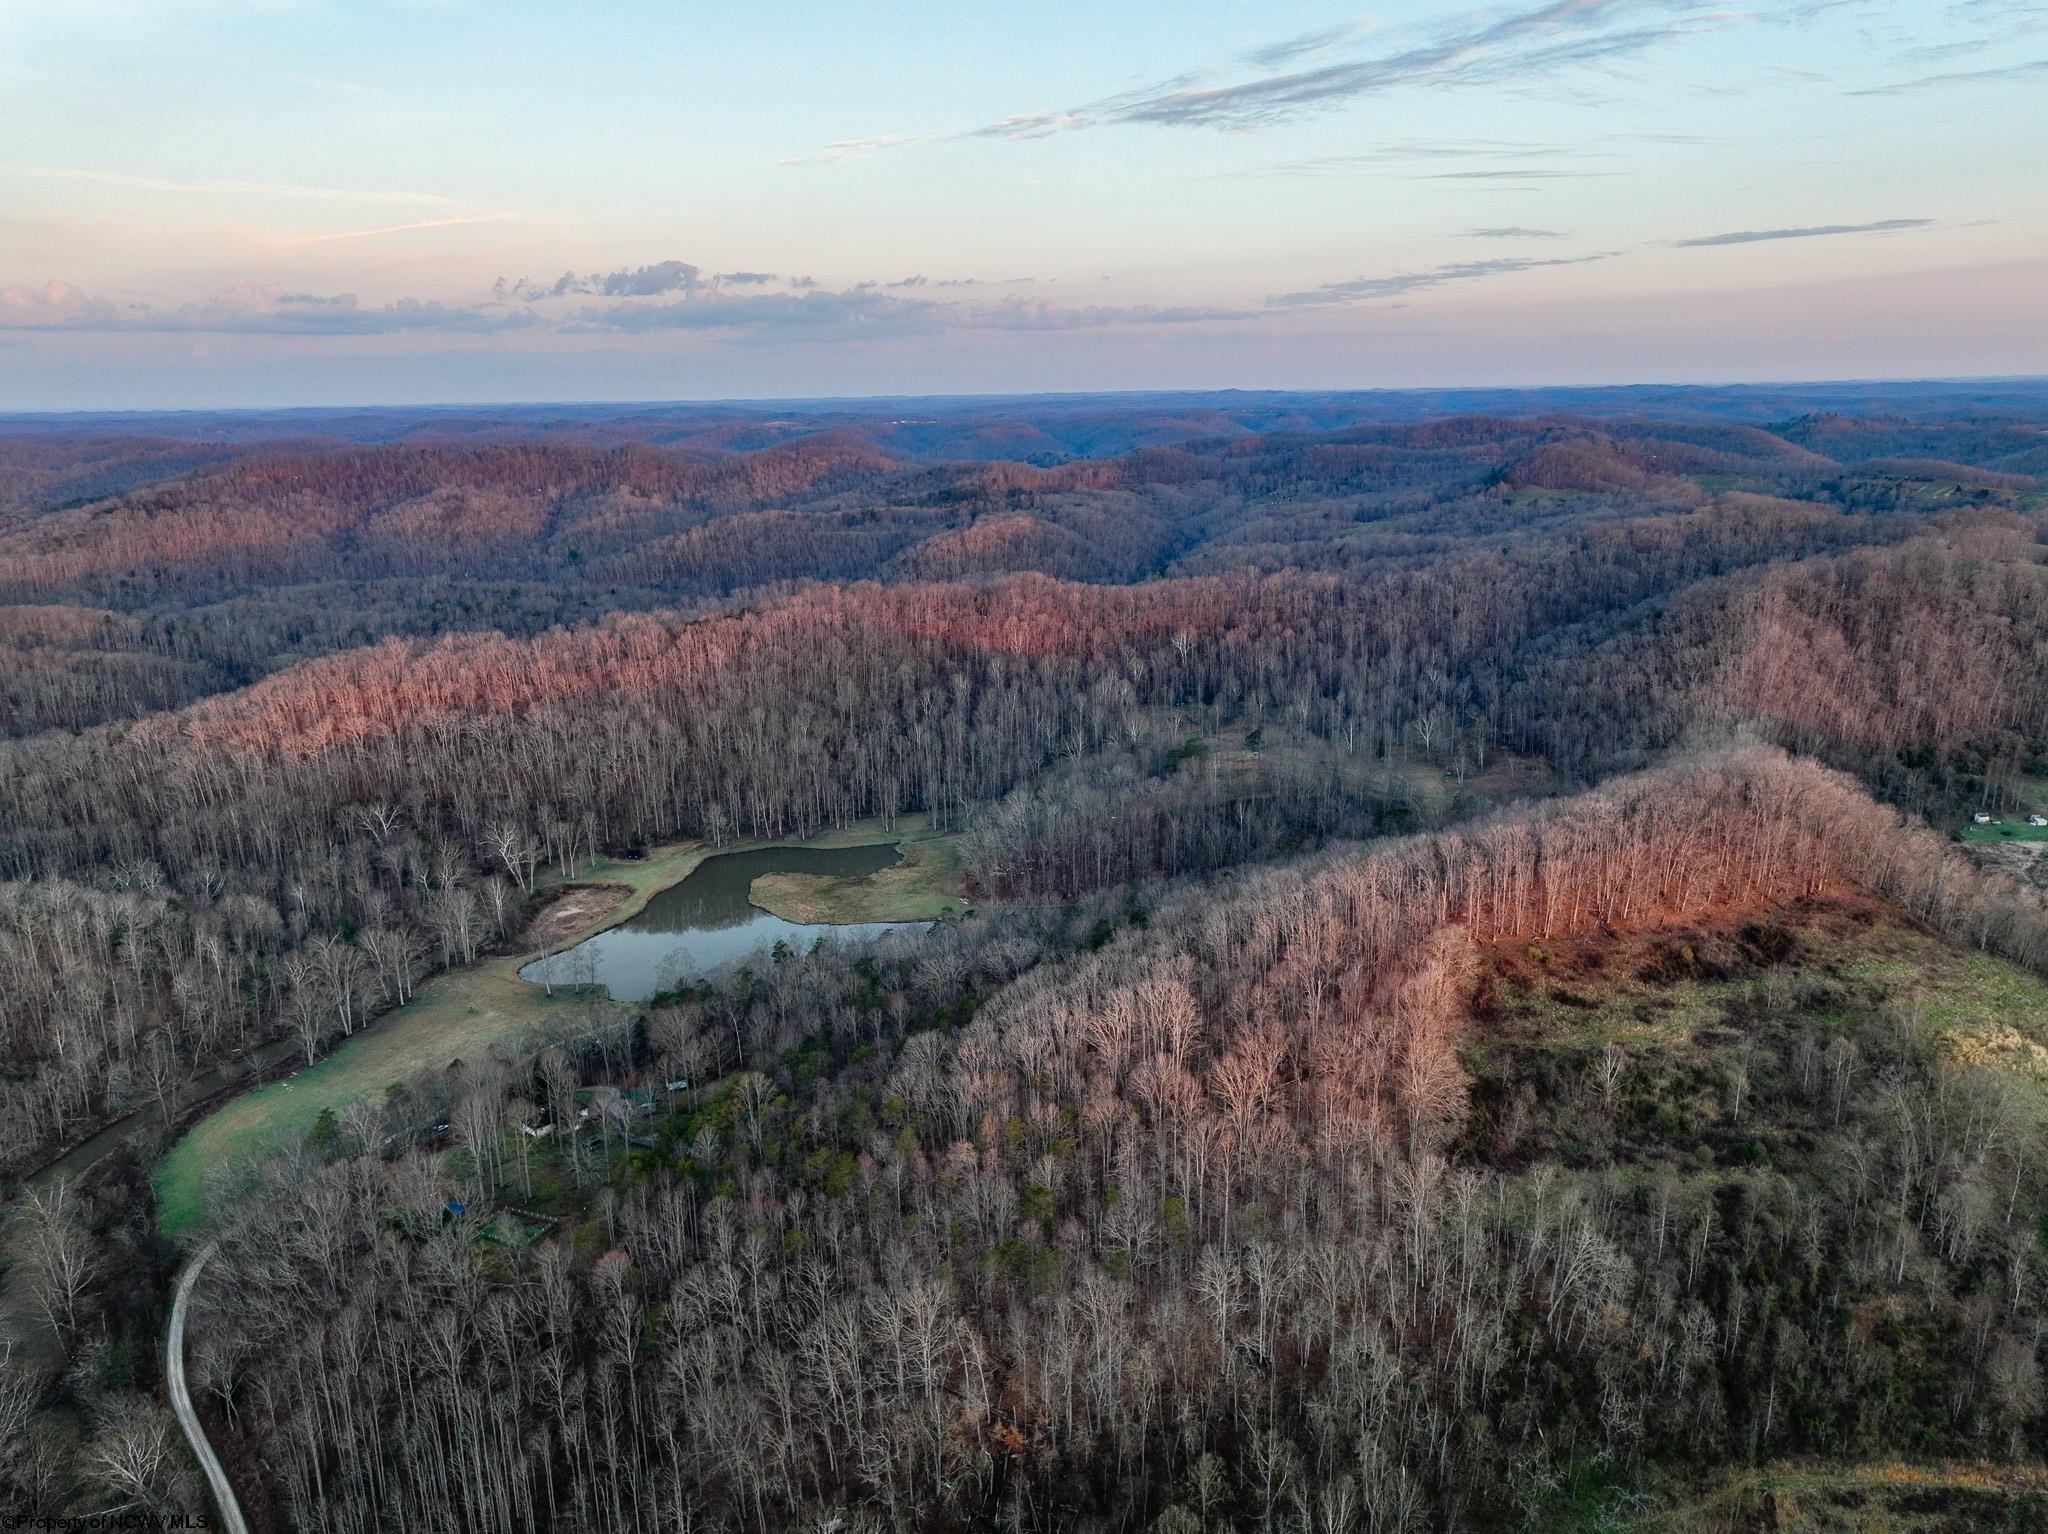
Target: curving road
{"points": [[181, 1397]]}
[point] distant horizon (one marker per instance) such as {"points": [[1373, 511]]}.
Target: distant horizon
{"points": [[244, 204], [812, 401]]}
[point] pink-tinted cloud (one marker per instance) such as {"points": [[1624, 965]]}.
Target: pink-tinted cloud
{"points": [[244, 308], [663, 296], [54, 306]]}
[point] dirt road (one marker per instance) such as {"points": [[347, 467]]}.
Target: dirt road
{"points": [[181, 1397]]}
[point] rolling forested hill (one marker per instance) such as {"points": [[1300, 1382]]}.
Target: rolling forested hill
{"points": [[1471, 1008]]}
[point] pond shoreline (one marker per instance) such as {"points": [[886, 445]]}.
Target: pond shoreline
{"points": [[715, 917], [457, 1014]]}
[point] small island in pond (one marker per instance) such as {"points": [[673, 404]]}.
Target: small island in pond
{"points": [[922, 885]]}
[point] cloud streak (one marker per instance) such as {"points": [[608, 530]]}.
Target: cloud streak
{"points": [[1289, 48], [245, 309], [1513, 174], [1997, 74], [427, 223], [1363, 289], [1808, 232], [1558, 35], [1552, 36], [1402, 158], [271, 189], [842, 150], [866, 312], [667, 296], [653, 281]]}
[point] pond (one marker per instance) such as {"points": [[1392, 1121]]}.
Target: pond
{"points": [[706, 922]]}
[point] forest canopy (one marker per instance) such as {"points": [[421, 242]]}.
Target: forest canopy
{"points": [[1468, 998]]}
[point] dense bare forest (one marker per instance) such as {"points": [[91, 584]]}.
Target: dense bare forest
{"points": [[1267, 1148]]}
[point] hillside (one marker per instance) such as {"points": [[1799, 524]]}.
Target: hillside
{"points": [[1646, 1177], [1403, 965]]}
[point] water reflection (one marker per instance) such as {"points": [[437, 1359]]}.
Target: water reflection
{"points": [[705, 922]]}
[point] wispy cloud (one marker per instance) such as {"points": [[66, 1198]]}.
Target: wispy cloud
{"points": [[427, 223], [216, 188], [1424, 159], [1552, 36], [1360, 289], [866, 311], [1301, 46], [1808, 232], [815, 312], [1411, 157], [1042, 314], [246, 309], [2031, 69], [1032, 125], [664, 296], [1513, 232], [1520, 46], [1511, 173], [842, 150], [652, 281]]}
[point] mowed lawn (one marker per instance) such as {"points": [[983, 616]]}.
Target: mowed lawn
{"points": [[2009, 830], [455, 1016]]}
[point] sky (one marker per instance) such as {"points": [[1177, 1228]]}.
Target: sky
{"points": [[217, 203]]}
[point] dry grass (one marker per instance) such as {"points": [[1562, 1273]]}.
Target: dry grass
{"points": [[572, 911], [1888, 1498], [923, 886]]}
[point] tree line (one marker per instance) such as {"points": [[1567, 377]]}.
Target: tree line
{"points": [[358, 801]]}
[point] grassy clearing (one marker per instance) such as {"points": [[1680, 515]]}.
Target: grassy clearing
{"points": [[455, 1016], [1692, 1012], [1864, 1499], [923, 886], [1659, 988], [1436, 793], [576, 907], [1977, 1009], [1643, 992], [2016, 830], [1573, 1016]]}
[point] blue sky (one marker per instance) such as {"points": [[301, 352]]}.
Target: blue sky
{"points": [[267, 202]]}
